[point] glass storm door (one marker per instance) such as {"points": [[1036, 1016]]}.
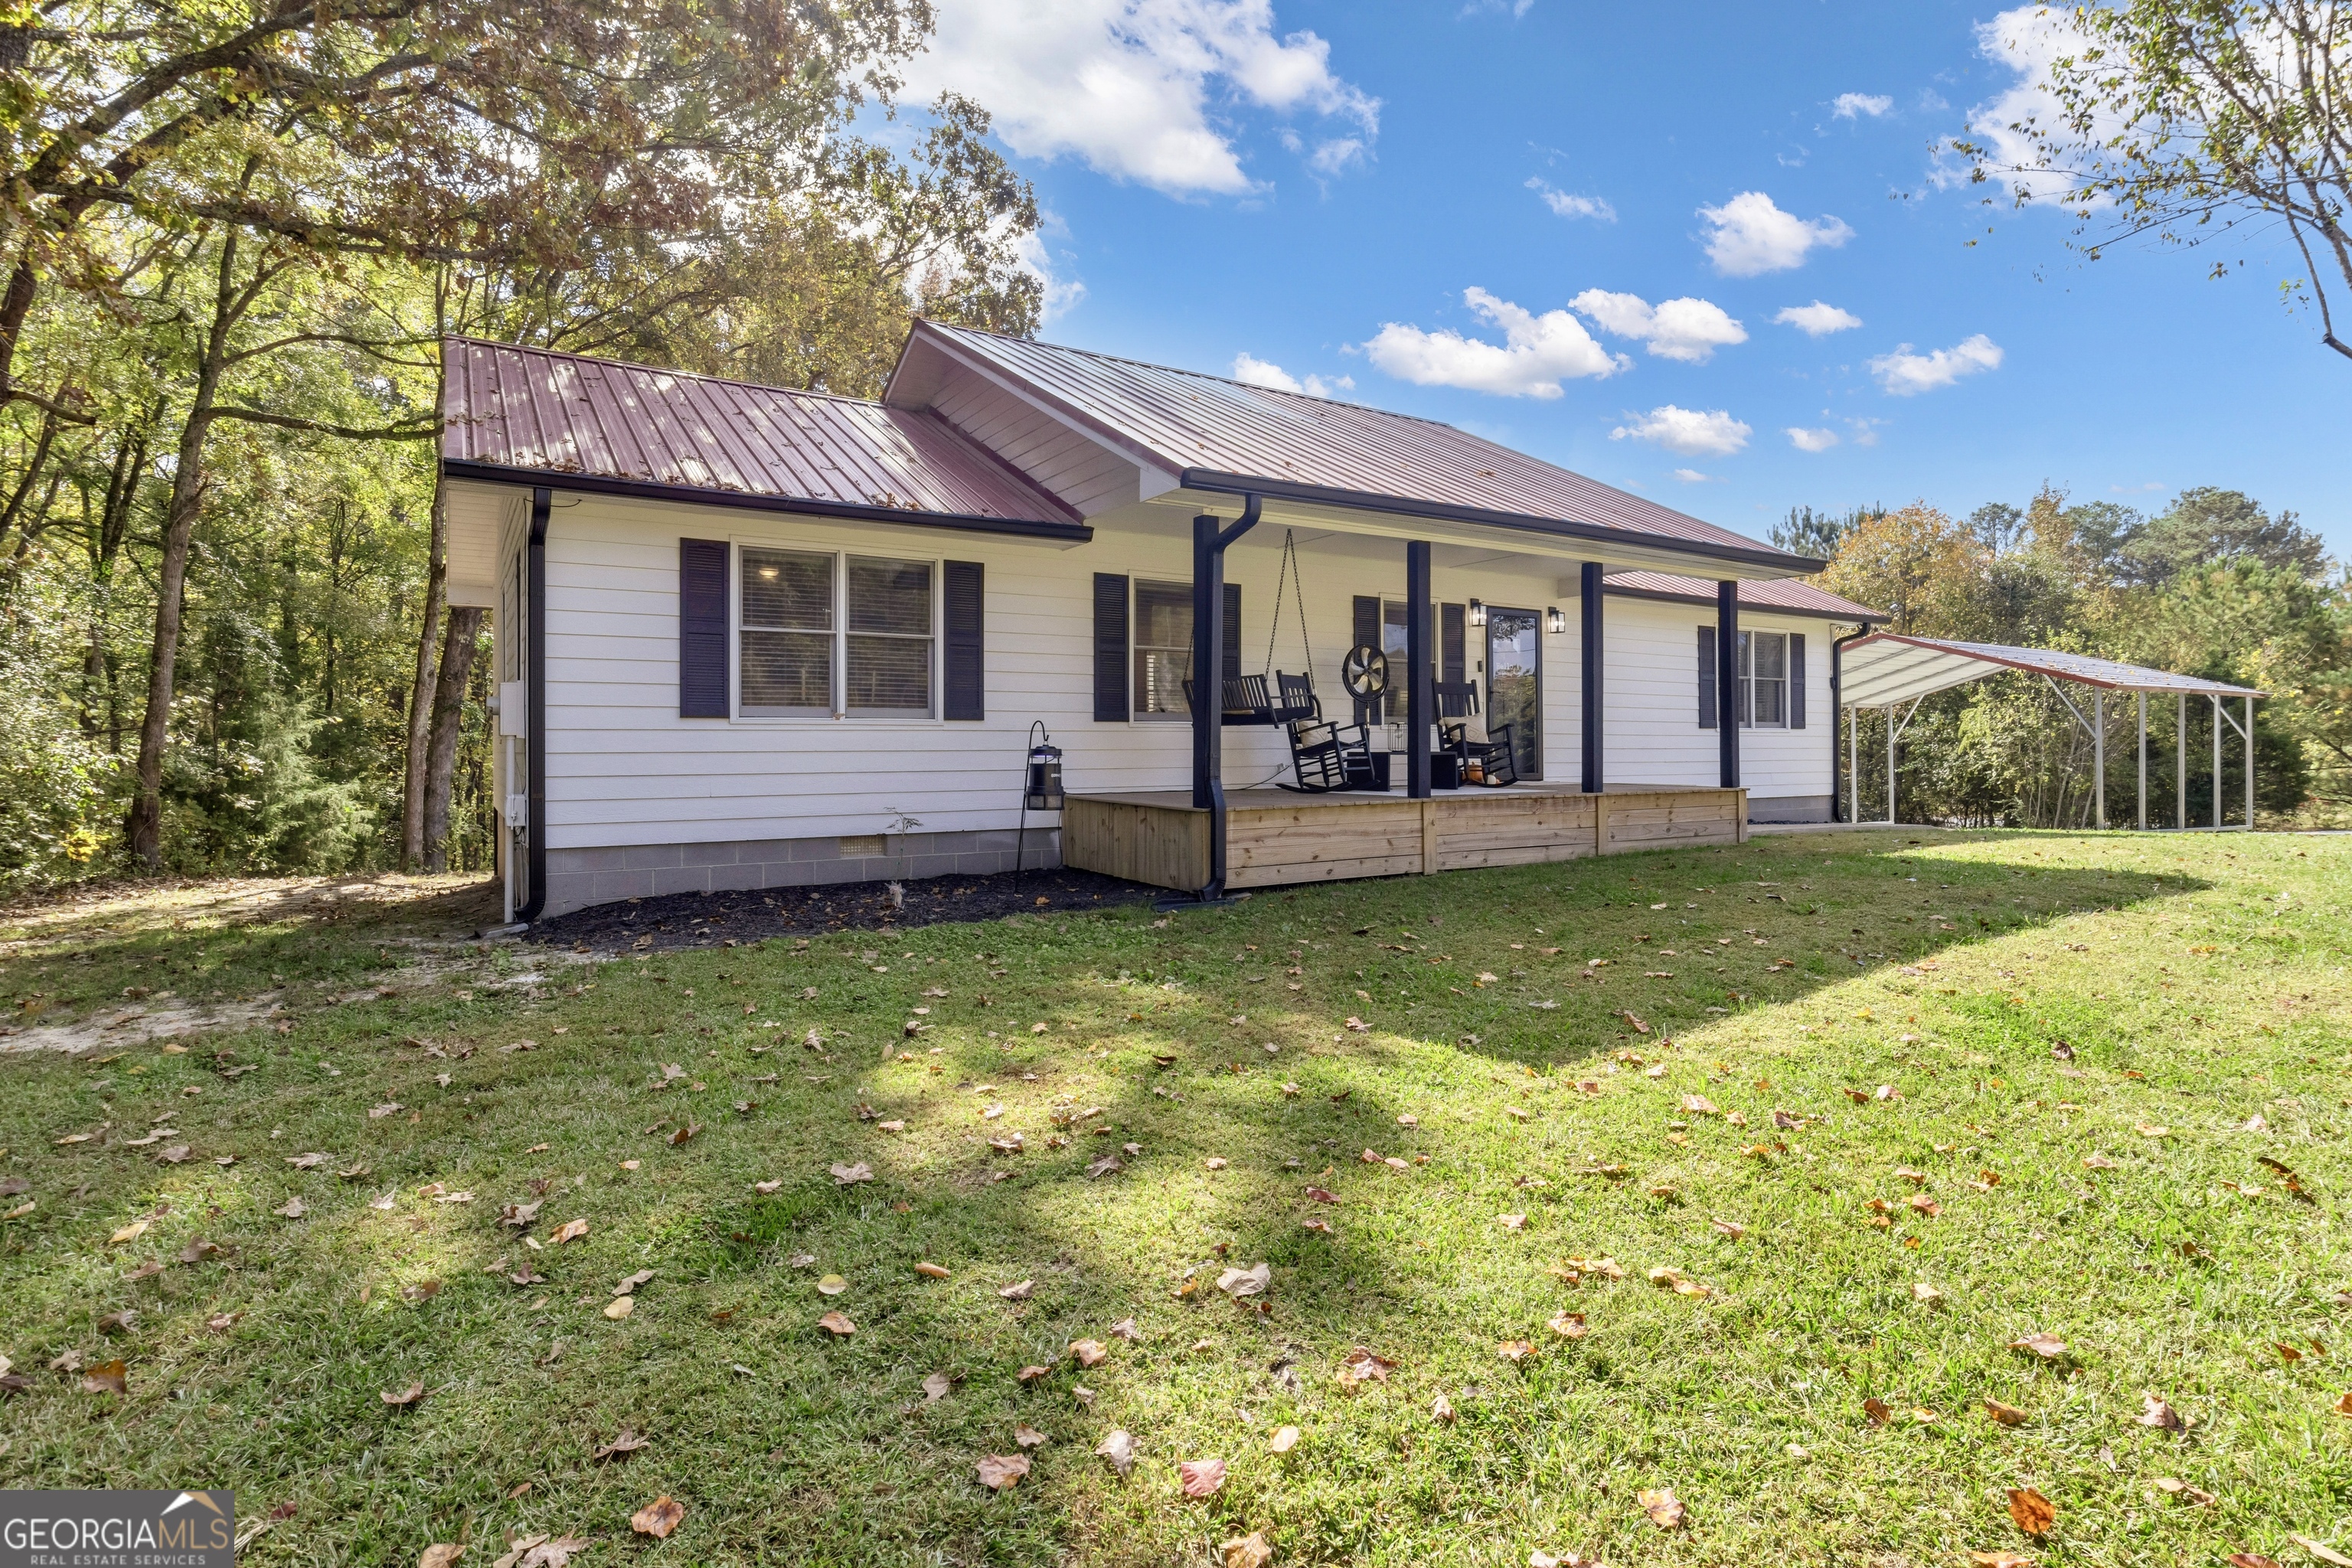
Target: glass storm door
{"points": [[1515, 685]]}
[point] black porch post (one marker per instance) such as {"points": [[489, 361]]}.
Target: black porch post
{"points": [[1729, 710], [1209, 542], [1420, 699], [1592, 656]]}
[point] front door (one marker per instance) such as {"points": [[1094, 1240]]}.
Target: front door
{"points": [[1515, 685]]}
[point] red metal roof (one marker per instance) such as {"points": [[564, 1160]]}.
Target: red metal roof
{"points": [[525, 408], [1785, 594], [1181, 421]]}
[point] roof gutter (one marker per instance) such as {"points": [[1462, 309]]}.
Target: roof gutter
{"points": [[1222, 483], [1818, 614], [695, 494]]}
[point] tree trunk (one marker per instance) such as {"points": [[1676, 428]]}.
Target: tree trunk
{"points": [[146, 824], [145, 828], [448, 727], [415, 836]]}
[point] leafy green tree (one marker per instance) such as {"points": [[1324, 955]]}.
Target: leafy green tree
{"points": [[2186, 119]]}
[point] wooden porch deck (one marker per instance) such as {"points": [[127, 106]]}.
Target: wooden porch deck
{"points": [[1277, 838]]}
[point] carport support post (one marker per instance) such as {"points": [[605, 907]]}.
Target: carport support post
{"points": [[2099, 751], [1593, 588], [2250, 764], [1210, 538], [2217, 763], [1727, 706], [2180, 768], [1890, 764], [1420, 696], [2143, 762]]}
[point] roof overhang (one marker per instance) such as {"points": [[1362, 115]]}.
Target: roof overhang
{"points": [[1857, 615], [1354, 511], [693, 495], [1887, 668]]}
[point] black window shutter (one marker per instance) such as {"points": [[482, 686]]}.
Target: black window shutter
{"points": [[1796, 680], [1233, 631], [1110, 648], [1453, 640], [702, 675], [1368, 634], [964, 673], [1706, 677]]}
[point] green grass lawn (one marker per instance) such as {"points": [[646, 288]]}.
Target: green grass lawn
{"points": [[2096, 1085]]}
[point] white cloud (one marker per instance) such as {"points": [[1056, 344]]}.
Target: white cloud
{"points": [[1866, 431], [1125, 85], [1538, 353], [1060, 293], [1905, 373], [1748, 235], [1850, 105], [1686, 329], [1693, 477], [1689, 431], [1565, 205], [1817, 320], [1248, 367], [2026, 39], [1806, 440]]}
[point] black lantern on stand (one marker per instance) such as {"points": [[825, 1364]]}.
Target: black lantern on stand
{"points": [[1041, 790]]}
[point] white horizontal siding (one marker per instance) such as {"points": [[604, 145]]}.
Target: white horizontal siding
{"points": [[1650, 697], [624, 769]]}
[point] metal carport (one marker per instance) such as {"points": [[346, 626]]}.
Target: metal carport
{"points": [[1889, 669]]}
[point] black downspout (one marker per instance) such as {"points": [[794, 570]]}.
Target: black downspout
{"points": [[535, 672], [1208, 541], [1726, 680], [1837, 719], [1420, 694], [1593, 589]]}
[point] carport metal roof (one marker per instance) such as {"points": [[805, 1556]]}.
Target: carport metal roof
{"points": [[1886, 668]]}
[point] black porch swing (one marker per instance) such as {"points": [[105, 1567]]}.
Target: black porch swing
{"points": [[1325, 755]]}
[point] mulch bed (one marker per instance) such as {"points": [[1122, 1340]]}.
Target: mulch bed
{"points": [[739, 919]]}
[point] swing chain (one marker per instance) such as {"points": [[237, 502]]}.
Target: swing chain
{"points": [[1297, 583]]}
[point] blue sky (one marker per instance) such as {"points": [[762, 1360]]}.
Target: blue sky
{"points": [[1367, 194]]}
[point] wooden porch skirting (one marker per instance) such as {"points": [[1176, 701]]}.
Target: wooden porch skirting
{"points": [[1275, 838]]}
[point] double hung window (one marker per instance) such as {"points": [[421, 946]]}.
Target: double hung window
{"points": [[1764, 681], [845, 635], [1163, 648]]}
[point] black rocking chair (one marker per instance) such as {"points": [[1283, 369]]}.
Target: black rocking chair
{"points": [[1490, 761]]}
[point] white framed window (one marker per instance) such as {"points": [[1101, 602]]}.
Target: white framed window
{"points": [[1764, 681], [828, 634], [1163, 650]]}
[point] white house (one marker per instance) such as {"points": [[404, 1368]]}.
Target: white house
{"points": [[749, 637]]}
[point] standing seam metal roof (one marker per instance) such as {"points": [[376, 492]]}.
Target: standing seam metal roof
{"points": [[1888, 668], [569, 414], [1181, 420]]}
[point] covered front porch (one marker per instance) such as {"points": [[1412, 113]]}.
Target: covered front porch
{"points": [[1274, 838]]}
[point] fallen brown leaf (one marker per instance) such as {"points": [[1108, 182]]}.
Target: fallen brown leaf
{"points": [[440, 1554], [570, 1230], [2048, 1346], [998, 1471], [1249, 1551], [2172, 1486], [1201, 1478], [1089, 1352], [2007, 1415], [106, 1377], [837, 1322], [409, 1395], [628, 1442], [1118, 1446], [2155, 1413], [658, 1518], [1284, 1438], [2033, 1512], [1665, 1509]]}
